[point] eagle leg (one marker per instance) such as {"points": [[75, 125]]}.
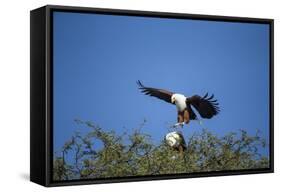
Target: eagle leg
{"points": [[183, 118], [186, 117]]}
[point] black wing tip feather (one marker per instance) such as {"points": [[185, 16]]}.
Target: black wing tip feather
{"points": [[143, 89], [213, 101], [139, 83]]}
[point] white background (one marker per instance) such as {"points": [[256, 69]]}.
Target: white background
{"points": [[14, 94]]}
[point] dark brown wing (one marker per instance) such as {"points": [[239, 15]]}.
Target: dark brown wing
{"points": [[192, 115], [206, 106], [154, 92]]}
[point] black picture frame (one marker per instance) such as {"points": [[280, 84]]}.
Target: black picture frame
{"points": [[41, 133]]}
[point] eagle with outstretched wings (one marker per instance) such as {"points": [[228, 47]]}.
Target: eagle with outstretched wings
{"points": [[206, 106]]}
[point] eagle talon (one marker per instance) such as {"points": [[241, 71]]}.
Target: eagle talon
{"points": [[178, 125]]}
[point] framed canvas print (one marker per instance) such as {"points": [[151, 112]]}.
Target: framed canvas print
{"points": [[122, 95]]}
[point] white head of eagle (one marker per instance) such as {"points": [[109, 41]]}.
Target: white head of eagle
{"points": [[179, 101], [206, 106]]}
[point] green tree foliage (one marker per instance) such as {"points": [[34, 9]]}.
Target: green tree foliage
{"points": [[136, 155]]}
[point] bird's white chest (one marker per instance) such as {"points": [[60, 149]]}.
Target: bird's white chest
{"points": [[180, 102]]}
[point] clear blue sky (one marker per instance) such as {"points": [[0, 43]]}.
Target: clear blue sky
{"points": [[99, 58]]}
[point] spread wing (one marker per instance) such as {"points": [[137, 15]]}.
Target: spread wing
{"points": [[154, 92], [206, 106]]}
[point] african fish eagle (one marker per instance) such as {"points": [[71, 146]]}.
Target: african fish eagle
{"points": [[176, 141], [206, 106]]}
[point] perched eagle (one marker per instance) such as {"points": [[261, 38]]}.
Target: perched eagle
{"points": [[206, 106], [176, 141]]}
